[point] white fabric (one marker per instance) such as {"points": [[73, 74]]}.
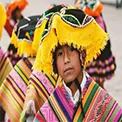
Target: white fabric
{"points": [[77, 93], [30, 119], [6, 119]]}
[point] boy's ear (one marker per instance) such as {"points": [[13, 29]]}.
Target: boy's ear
{"points": [[83, 56], [55, 70]]}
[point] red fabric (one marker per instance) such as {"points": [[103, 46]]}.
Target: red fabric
{"points": [[8, 27], [9, 120], [40, 118]]}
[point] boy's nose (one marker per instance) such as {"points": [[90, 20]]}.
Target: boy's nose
{"points": [[66, 59]]}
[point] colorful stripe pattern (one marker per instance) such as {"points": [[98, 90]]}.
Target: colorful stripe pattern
{"points": [[13, 89], [58, 103], [98, 106], [5, 66], [39, 89]]}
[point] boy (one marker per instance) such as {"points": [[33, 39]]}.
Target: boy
{"points": [[75, 41]]}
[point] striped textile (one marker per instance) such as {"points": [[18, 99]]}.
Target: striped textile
{"points": [[13, 89], [5, 65], [39, 89], [98, 106]]}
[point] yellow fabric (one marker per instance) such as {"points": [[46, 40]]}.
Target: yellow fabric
{"points": [[90, 37], [27, 34], [2, 18], [14, 39], [25, 47], [37, 35]]}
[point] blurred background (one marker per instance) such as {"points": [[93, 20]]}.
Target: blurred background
{"points": [[112, 14]]}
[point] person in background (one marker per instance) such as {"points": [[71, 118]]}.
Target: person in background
{"points": [[14, 87], [103, 68], [14, 14], [5, 64]]}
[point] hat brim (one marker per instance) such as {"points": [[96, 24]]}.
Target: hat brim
{"points": [[21, 4]]}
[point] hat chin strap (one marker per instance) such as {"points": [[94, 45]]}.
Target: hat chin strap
{"points": [[69, 84], [76, 82], [80, 98]]}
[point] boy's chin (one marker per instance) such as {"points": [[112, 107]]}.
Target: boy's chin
{"points": [[69, 79]]}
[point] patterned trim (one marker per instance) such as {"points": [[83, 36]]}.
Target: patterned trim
{"points": [[97, 104], [13, 90], [5, 66]]}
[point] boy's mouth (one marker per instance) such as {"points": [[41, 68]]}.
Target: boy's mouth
{"points": [[68, 69]]}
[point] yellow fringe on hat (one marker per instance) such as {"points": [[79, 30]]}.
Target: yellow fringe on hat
{"points": [[38, 34], [2, 18], [90, 37], [25, 47], [14, 39]]}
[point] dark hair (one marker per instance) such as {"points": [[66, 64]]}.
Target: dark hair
{"points": [[2, 114], [55, 70], [14, 14]]}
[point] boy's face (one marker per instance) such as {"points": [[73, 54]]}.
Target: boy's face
{"points": [[68, 63]]}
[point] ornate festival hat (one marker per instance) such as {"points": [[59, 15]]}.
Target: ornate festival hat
{"points": [[90, 7], [70, 27], [23, 34], [42, 24], [21, 4]]}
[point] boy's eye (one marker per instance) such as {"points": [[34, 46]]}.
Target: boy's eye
{"points": [[59, 54]]}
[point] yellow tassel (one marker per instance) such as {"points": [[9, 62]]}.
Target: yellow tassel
{"points": [[37, 35], [27, 34], [2, 18], [14, 39], [25, 47]]}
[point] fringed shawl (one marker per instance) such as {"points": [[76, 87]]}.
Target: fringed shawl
{"points": [[13, 89], [5, 66], [39, 89], [98, 106]]}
